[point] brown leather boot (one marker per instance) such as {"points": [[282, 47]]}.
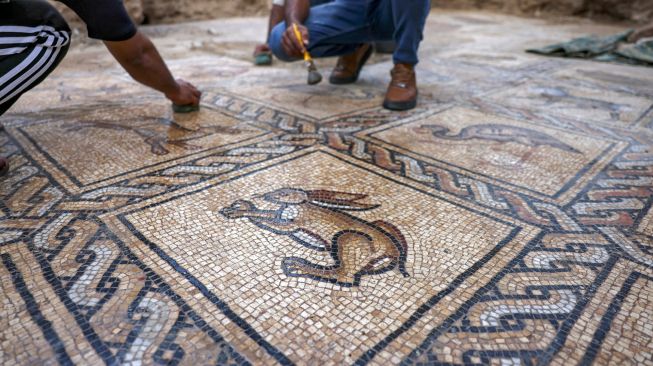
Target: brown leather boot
{"points": [[4, 166], [402, 91], [349, 67]]}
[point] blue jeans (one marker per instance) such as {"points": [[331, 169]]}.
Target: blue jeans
{"points": [[319, 2], [339, 27]]}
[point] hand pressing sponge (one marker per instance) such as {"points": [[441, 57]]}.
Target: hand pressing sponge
{"points": [[185, 108]]}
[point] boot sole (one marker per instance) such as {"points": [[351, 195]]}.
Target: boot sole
{"points": [[352, 79], [400, 106]]}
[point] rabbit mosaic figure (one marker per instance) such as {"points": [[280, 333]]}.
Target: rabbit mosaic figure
{"points": [[321, 220]]}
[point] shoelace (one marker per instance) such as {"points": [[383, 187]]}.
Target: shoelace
{"points": [[401, 77]]}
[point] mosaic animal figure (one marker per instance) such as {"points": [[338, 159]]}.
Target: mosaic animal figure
{"points": [[320, 220], [157, 132], [554, 95], [499, 133]]}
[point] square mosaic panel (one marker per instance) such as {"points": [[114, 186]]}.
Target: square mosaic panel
{"points": [[576, 102], [317, 101], [356, 254], [111, 141], [630, 81], [635, 81], [509, 152]]}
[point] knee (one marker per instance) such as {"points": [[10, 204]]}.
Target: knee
{"points": [[64, 48], [275, 42]]}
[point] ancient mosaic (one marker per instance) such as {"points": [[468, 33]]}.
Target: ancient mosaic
{"points": [[506, 223]]}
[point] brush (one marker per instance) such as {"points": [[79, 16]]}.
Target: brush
{"points": [[314, 76]]}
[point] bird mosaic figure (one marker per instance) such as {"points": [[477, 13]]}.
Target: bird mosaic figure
{"points": [[500, 133], [553, 95]]}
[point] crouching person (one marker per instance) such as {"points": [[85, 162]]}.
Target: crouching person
{"points": [[34, 38], [346, 28]]}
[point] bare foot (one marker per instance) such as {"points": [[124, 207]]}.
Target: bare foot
{"points": [[644, 32]]}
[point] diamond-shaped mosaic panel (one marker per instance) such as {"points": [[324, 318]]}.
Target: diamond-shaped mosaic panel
{"points": [[353, 253]]}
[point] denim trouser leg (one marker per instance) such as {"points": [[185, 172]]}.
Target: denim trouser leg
{"points": [[319, 2], [403, 22]]}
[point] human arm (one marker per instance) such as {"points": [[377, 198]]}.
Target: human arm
{"points": [[277, 14], [140, 58], [108, 20], [296, 13]]}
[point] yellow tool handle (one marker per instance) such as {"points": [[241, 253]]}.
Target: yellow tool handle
{"points": [[307, 56]]}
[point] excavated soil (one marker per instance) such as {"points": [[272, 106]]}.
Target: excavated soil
{"points": [[174, 11]]}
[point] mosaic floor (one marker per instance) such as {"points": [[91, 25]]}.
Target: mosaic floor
{"points": [[507, 220]]}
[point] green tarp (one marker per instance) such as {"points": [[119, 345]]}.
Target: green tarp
{"points": [[611, 48]]}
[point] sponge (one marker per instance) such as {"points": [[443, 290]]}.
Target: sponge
{"points": [[185, 108]]}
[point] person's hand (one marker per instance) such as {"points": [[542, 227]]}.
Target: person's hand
{"points": [[291, 45], [261, 48], [185, 94]]}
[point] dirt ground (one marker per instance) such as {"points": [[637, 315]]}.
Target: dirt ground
{"points": [[169, 11]]}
